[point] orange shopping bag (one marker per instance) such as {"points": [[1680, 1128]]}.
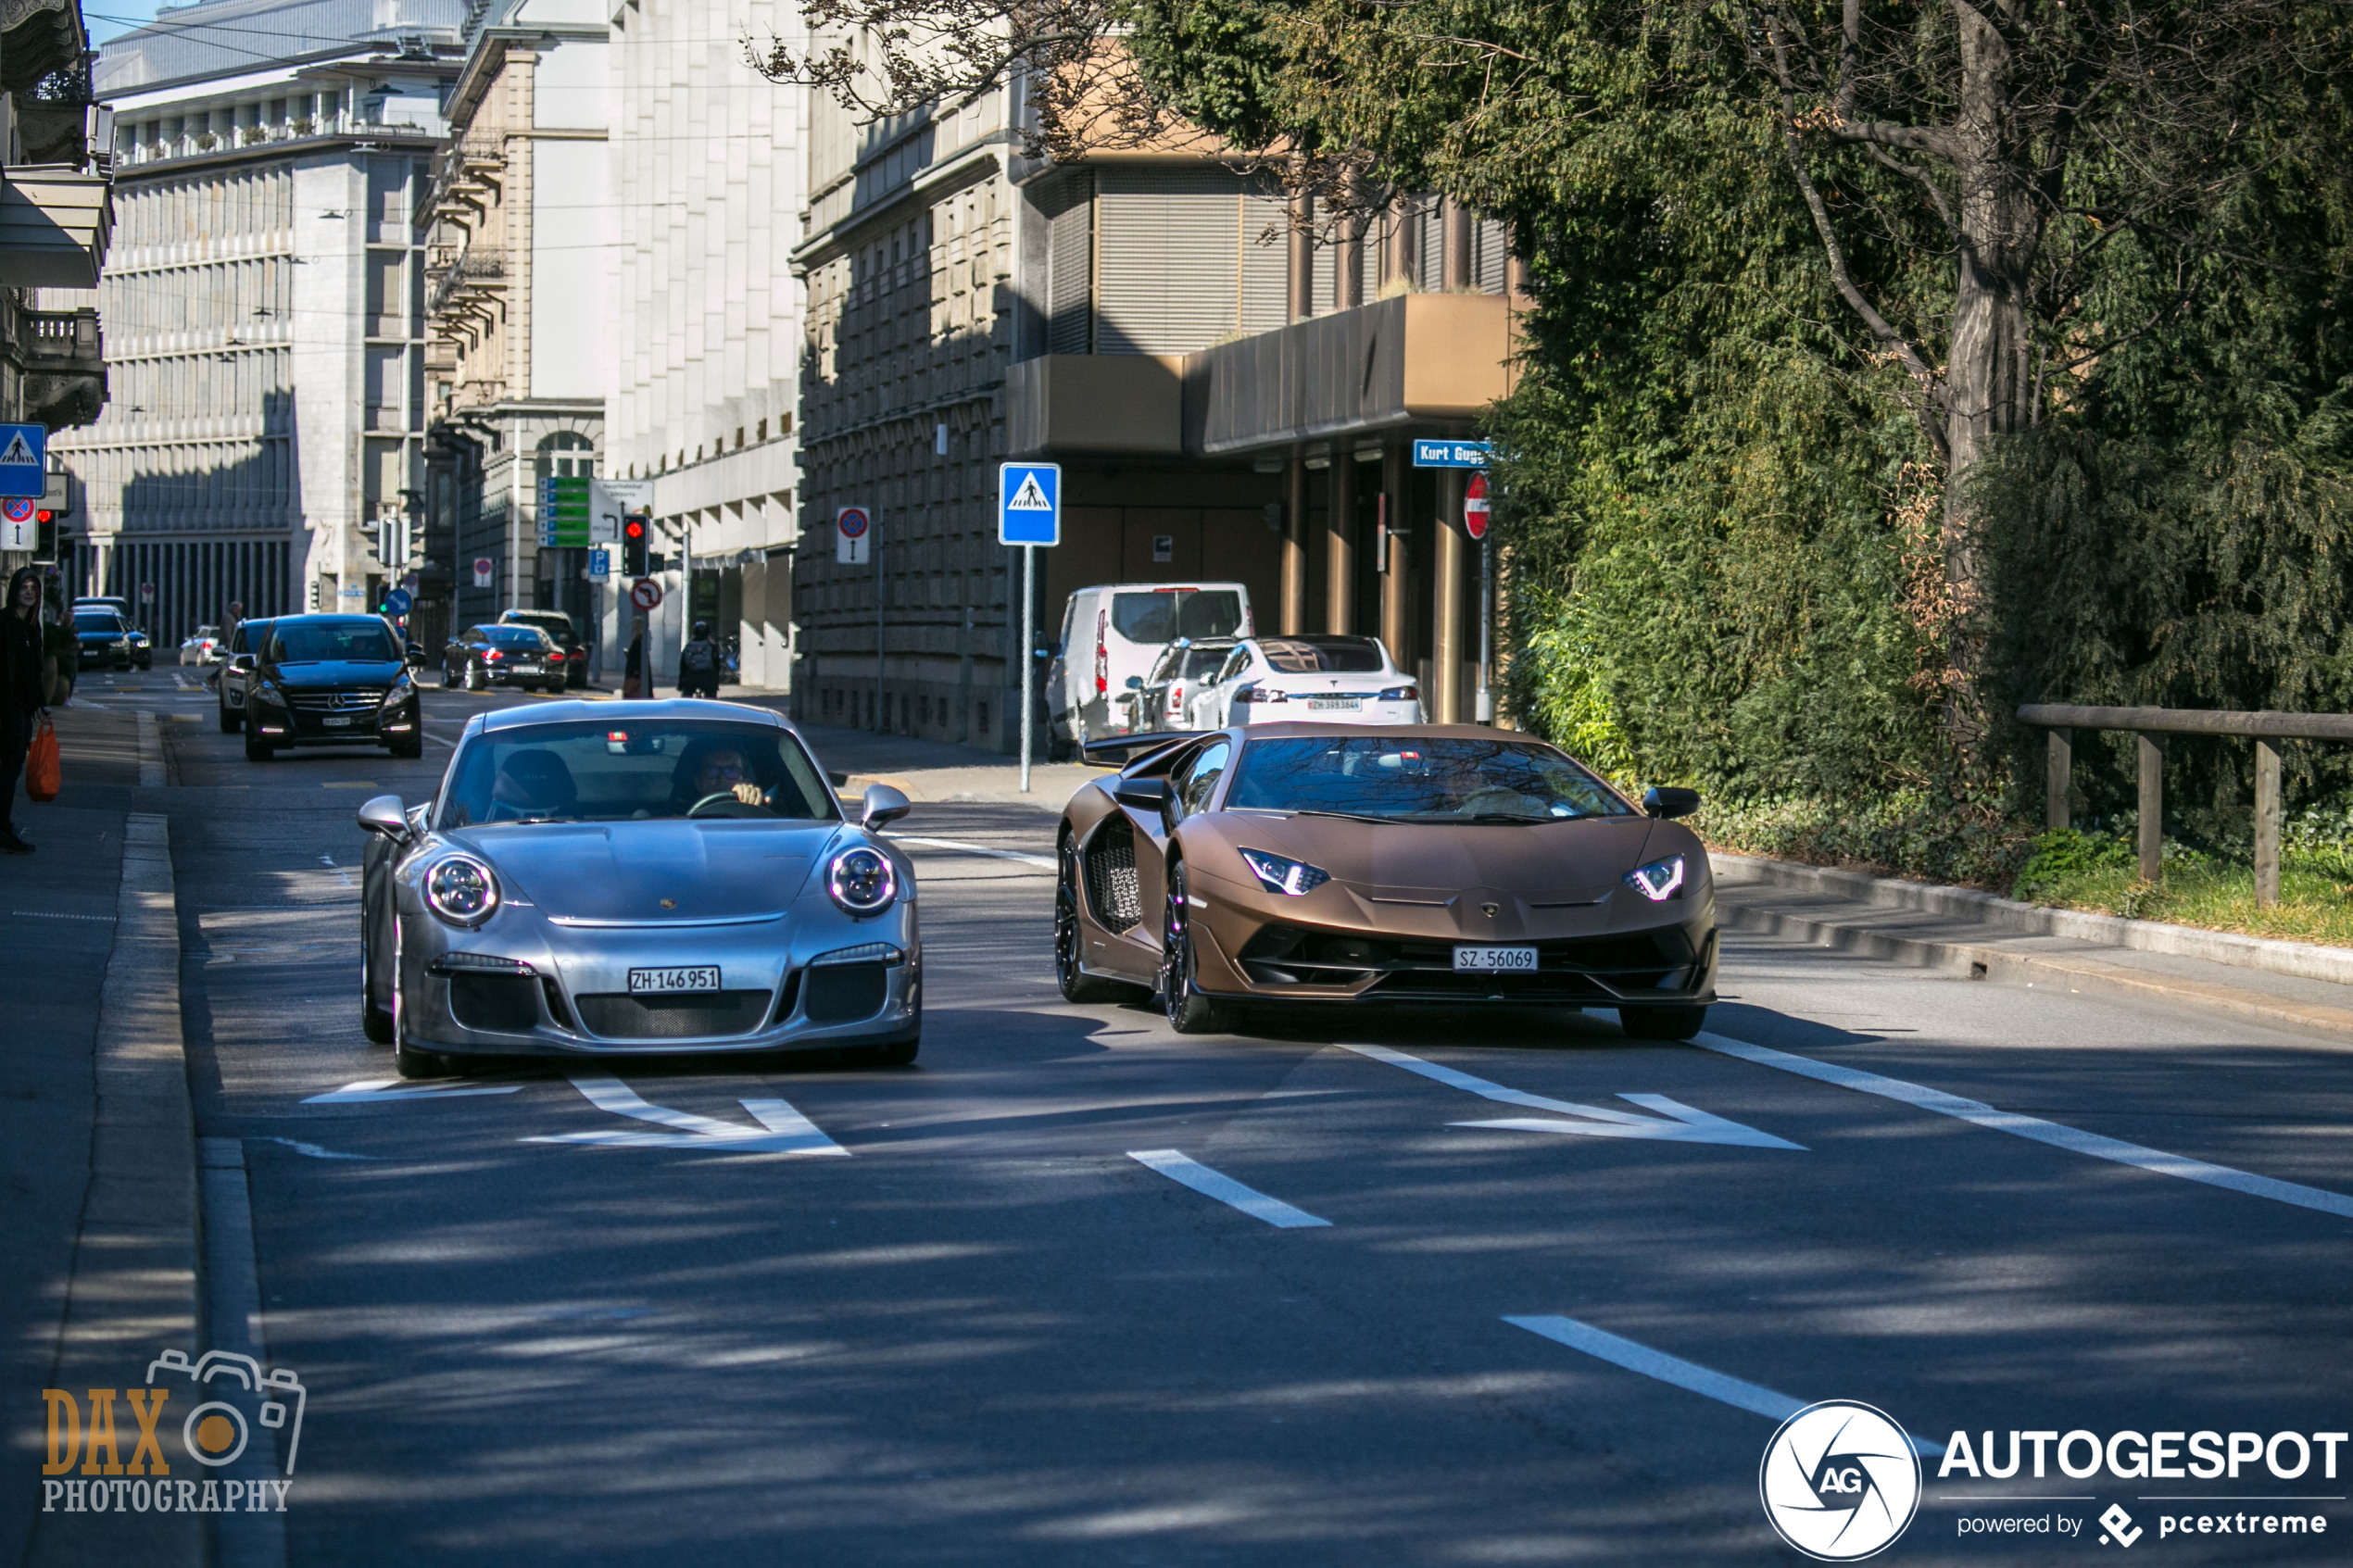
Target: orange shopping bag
{"points": [[41, 768]]}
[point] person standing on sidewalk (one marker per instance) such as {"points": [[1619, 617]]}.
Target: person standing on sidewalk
{"points": [[23, 685], [633, 666], [699, 664]]}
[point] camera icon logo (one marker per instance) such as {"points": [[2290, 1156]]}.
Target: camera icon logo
{"points": [[1840, 1481], [232, 1395]]}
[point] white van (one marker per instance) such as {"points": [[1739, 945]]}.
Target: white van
{"points": [[1112, 633]]}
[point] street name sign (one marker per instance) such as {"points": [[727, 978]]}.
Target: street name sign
{"points": [[1029, 504], [1428, 454], [23, 455]]}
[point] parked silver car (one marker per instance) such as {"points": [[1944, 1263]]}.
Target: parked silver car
{"points": [[599, 879]]}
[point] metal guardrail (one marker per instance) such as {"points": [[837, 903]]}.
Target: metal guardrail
{"points": [[2265, 729]]}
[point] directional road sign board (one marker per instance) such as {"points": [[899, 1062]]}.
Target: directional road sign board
{"points": [[645, 593], [1450, 453], [1030, 509], [23, 452], [853, 535], [397, 601]]}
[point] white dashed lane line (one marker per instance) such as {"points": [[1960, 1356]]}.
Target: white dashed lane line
{"points": [[1192, 1172], [1044, 862]]}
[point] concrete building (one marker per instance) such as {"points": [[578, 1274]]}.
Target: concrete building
{"points": [[264, 439], [517, 228], [1232, 395], [709, 165], [55, 216]]}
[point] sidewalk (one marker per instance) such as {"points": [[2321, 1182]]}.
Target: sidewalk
{"points": [[98, 1226], [2285, 983]]}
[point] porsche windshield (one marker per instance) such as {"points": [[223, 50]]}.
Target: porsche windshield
{"points": [[634, 769], [1418, 779]]}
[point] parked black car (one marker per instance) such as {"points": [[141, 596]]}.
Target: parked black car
{"points": [[233, 676], [561, 631], [105, 638], [481, 657], [330, 679]]}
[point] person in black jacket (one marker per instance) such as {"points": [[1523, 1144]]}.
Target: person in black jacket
{"points": [[21, 693]]}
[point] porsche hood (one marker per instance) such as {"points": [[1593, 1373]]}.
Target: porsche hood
{"points": [[624, 871]]}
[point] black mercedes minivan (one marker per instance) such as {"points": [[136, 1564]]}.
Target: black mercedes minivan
{"points": [[332, 680]]}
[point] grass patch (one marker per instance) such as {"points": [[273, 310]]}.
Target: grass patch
{"points": [[1903, 832], [2100, 874]]}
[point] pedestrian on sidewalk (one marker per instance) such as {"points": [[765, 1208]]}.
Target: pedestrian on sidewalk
{"points": [[633, 666], [699, 664], [23, 687]]}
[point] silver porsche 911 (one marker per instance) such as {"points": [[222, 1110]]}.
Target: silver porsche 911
{"points": [[596, 879]]}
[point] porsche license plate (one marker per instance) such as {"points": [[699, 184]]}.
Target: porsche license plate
{"points": [[1496, 960], [664, 982], [1334, 704]]}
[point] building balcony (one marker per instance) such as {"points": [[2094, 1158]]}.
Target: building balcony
{"points": [[1102, 402], [54, 223], [65, 366]]}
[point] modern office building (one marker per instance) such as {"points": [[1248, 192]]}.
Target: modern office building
{"points": [[709, 165], [1232, 393], [517, 230], [264, 439], [55, 216]]}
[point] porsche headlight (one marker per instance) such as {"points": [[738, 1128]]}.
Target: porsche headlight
{"points": [[1659, 881], [862, 881], [461, 890], [1280, 875]]}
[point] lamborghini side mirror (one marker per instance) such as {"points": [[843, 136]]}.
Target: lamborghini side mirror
{"points": [[1670, 800]]}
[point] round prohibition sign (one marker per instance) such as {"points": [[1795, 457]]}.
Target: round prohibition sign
{"points": [[17, 508], [645, 593], [852, 522]]}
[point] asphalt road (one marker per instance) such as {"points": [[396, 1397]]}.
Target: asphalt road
{"points": [[990, 1334]]}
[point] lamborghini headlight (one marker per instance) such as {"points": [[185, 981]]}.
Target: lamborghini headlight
{"points": [[1659, 881], [862, 881], [1280, 875], [461, 890]]}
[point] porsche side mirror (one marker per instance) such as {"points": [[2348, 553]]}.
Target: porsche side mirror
{"points": [[884, 804], [385, 815], [1670, 800], [1145, 795]]}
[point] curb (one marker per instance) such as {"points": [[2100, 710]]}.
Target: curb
{"points": [[133, 1286], [2304, 960]]}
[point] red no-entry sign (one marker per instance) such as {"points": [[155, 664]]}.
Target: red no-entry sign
{"points": [[1475, 508]]}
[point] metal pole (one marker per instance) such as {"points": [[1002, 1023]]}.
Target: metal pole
{"points": [[1486, 711], [873, 531], [1028, 659]]}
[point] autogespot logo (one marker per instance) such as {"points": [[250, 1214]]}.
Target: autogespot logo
{"points": [[1840, 1481]]}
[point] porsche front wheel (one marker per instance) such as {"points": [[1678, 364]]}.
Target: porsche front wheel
{"points": [[1076, 984], [1189, 1011]]}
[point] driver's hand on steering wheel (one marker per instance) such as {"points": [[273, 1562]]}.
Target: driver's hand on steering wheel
{"points": [[749, 794]]}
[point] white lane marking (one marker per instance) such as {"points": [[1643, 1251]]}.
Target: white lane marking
{"points": [[1604, 1346], [1192, 1172], [329, 860], [782, 1129], [313, 1150], [52, 914], [1687, 1125], [394, 1088], [2032, 1127], [1044, 862]]}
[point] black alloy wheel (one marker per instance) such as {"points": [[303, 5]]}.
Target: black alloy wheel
{"points": [[1189, 1011], [477, 678], [1076, 984]]}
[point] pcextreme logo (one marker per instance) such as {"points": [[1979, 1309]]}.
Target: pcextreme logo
{"points": [[1840, 1481], [227, 1411]]}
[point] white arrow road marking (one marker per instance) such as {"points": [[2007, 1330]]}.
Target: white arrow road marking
{"points": [[782, 1129], [394, 1088], [2053, 1132], [1224, 1188], [1687, 1125], [1611, 1348]]}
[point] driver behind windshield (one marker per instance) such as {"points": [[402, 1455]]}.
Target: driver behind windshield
{"points": [[715, 768], [604, 770]]}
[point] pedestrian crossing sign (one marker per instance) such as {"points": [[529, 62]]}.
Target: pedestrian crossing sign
{"points": [[23, 457], [1029, 503]]}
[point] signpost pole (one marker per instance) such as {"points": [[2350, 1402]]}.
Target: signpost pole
{"points": [[1486, 712], [873, 537], [1028, 659]]}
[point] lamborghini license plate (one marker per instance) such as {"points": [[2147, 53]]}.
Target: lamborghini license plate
{"points": [[665, 981], [1504, 959]]}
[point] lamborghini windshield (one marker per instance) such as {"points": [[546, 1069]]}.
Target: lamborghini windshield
{"points": [[633, 770], [1421, 779]]}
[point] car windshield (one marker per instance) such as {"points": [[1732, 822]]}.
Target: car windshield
{"points": [[631, 770], [96, 621], [554, 625], [514, 636], [1163, 615], [318, 641], [1200, 663], [1322, 656], [1413, 778]]}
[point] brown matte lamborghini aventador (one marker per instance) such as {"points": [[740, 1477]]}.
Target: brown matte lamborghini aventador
{"points": [[1313, 863]]}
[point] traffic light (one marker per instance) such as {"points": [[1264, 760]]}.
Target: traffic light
{"points": [[633, 546]]}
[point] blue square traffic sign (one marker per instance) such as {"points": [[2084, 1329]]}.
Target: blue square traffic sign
{"points": [[1443, 454], [1029, 504], [24, 450]]}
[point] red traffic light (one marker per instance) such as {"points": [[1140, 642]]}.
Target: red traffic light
{"points": [[634, 529], [45, 515]]}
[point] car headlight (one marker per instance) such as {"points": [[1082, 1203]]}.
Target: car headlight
{"points": [[461, 890], [862, 881], [1659, 881], [1280, 875]]}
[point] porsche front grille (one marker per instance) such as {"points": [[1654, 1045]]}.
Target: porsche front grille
{"points": [[1112, 892], [698, 1015]]}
